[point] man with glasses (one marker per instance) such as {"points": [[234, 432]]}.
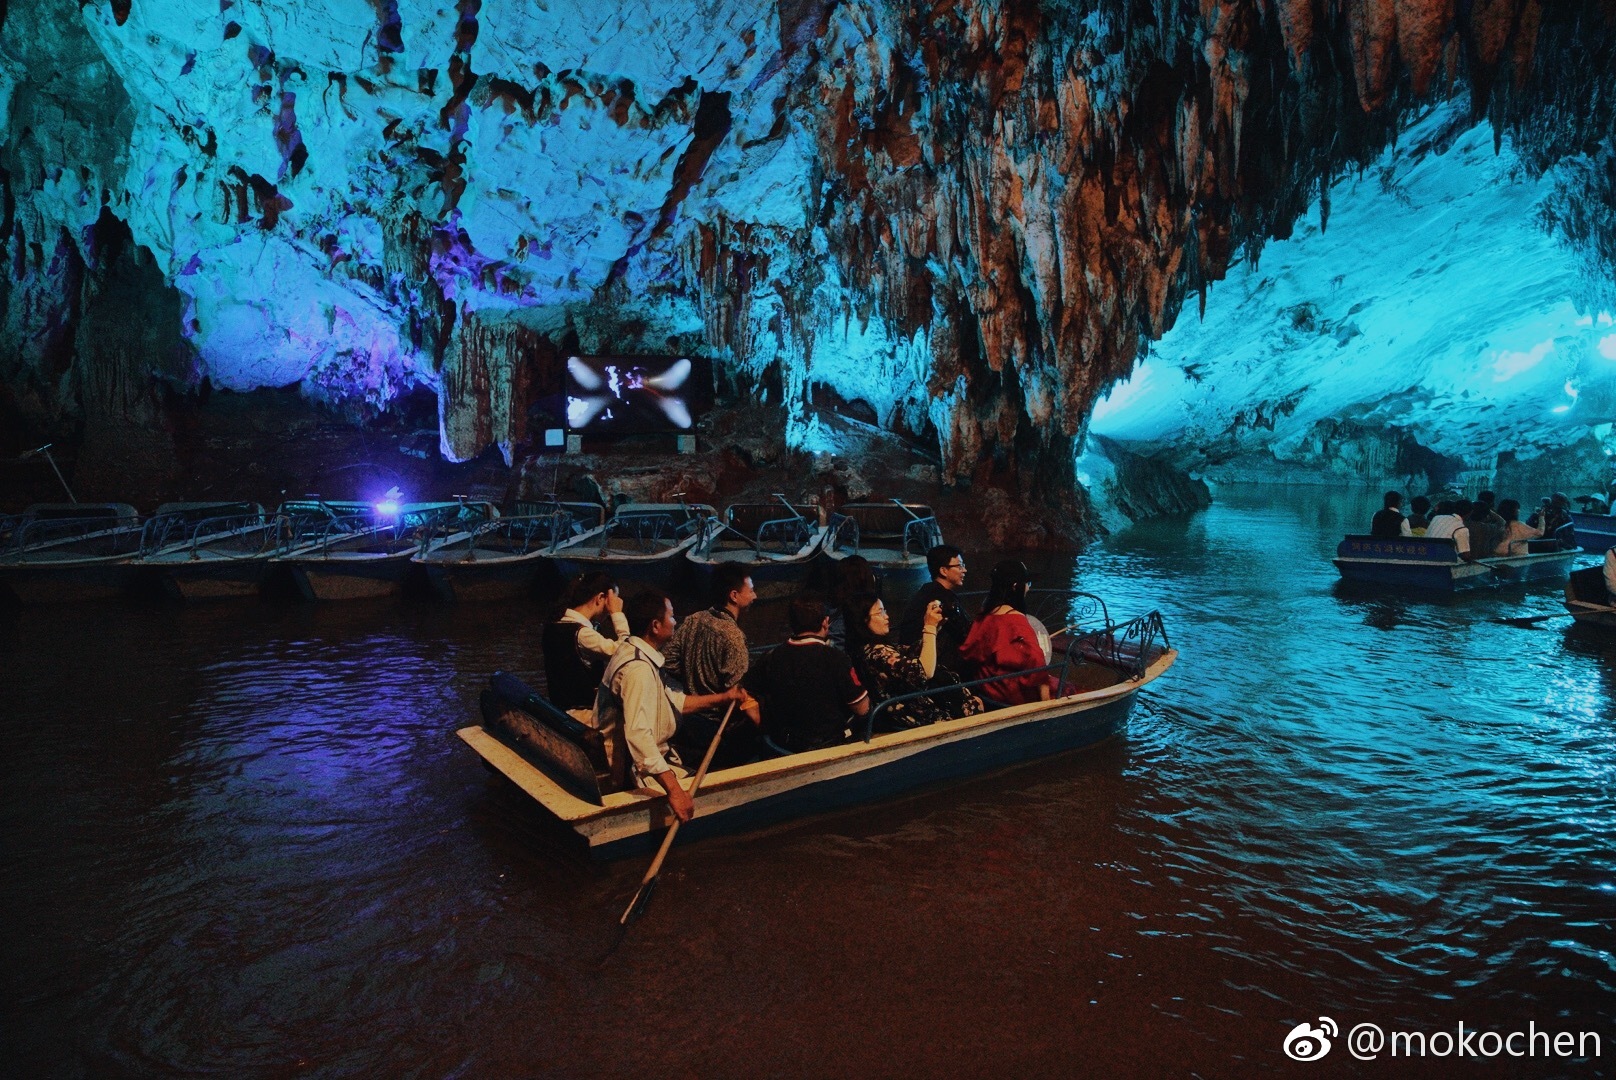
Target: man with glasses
{"points": [[947, 565]]}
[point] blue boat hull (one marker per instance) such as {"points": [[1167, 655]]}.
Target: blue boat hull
{"points": [[1595, 532], [987, 753]]}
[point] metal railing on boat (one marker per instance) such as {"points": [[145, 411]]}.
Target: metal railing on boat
{"points": [[1102, 645]]}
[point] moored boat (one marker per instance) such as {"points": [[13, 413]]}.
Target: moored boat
{"points": [[1587, 599], [552, 758], [66, 552], [1595, 532], [366, 556], [777, 543], [208, 550], [1434, 563], [894, 536], [509, 556], [641, 542]]}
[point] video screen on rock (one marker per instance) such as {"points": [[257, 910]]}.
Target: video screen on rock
{"points": [[626, 395]]}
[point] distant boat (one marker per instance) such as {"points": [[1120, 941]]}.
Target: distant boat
{"points": [[1587, 599], [1595, 532], [644, 542], [561, 764], [507, 557], [1433, 563], [65, 552], [366, 555], [776, 542], [207, 550], [893, 535]]}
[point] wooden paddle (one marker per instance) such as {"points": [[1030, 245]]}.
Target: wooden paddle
{"points": [[648, 883], [1533, 620]]}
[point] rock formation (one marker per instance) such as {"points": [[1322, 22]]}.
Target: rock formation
{"points": [[967, 215]]}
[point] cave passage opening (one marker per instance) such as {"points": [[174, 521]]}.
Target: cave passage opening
{"points": [[1436, 330]]}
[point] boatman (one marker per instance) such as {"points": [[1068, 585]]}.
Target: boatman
{"points": [[947, 565], [638, 713], [1389, 522], [708, 655], [575, 652]]}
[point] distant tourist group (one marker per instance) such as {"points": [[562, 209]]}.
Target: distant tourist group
{"points": [[1480, 530], [1484, 528], [657, 689]]}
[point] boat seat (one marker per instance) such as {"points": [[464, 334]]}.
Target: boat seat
{"points": [[571, 753], [1588, 585]]}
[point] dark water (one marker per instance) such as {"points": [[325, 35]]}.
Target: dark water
{"points": [[242, 841]]}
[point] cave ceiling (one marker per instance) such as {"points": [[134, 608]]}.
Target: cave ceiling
{"points": [[973, 216]]}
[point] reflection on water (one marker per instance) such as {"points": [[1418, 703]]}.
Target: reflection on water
{"points": [[242, 840]]}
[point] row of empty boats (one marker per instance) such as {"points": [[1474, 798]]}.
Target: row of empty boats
{"points": [[463, 549]]}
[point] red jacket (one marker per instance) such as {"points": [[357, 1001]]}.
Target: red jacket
{"points": [[1002, 644]]}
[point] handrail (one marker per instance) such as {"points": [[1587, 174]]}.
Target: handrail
{"points": [[709, 536], [1101, 645]]}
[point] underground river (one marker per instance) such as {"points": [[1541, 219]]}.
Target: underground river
{"points": [[242, 840]]}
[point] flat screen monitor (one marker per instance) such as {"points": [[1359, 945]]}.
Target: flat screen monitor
{"points": [[631, 395]]}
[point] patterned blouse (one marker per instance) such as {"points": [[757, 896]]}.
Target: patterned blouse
{"points": [[895, 670]]}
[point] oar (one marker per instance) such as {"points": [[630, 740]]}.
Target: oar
{"points": [[1533, 620], [648, 884]]}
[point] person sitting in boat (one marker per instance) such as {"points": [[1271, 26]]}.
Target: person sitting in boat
{"points": [[807, 687], [575, 651], [1610, 575], [1593, 504], [1447, 524], [1486, 527], [1419, 517], [1004, 641], [947, 565], [1553, 516], [708, 655], [1389, 522], [891, 671], [1517, 533], [848, 578], [638, 713]]}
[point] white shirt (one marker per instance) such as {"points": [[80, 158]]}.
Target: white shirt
{"points": [[634, 695], [591, 640], [1445, 526], [1515, 538]]}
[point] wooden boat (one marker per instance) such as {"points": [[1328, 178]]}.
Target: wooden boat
{"points": [[1587, 599], [1595, 532], [65, 552], [207, 550], [644, 542], [1434, 563], [893, 535], [509, 556], [776, 542], [552, 758], [366, 556]]}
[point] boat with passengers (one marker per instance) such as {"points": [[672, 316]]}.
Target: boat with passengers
{"points": [[1426, 562], [1587, 599], [777, 542], [1595, 532], [893, 535], [561, 764]]}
